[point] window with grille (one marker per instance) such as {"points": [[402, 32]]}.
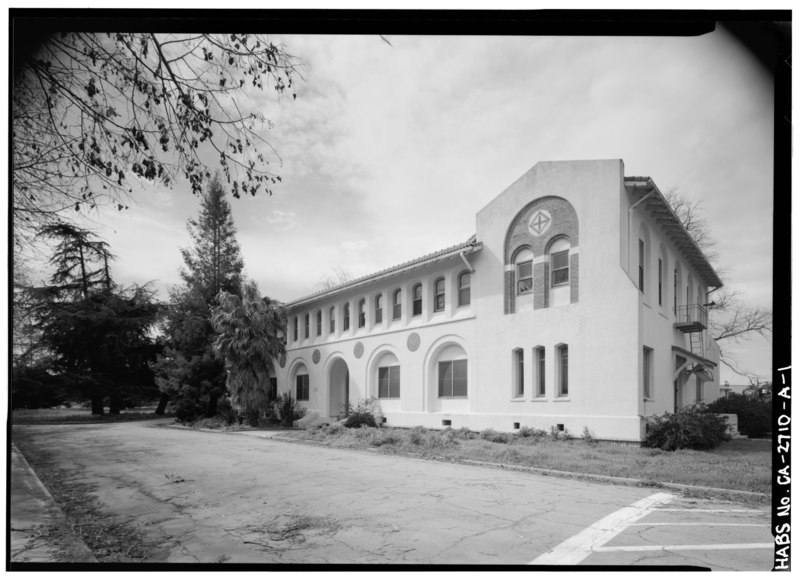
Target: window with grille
{"points": [[453, 378], [389, 381], [416, 301], [438, 295], [397, 306], [378, 309], [464, 289]]}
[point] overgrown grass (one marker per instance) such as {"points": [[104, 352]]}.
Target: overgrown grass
{"points": [[77, 415], [736, 465]]}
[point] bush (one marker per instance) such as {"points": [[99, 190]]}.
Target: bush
{"points": [[755, 416], [384, 438], [226, 412], [289, 410], [464, 433], [187, 410], [363, 414], [494, 436], [418, 435], [528, 432], [691, 427]]}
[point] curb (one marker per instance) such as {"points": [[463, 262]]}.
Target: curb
{"points": [[688, 489], [68, 541]]}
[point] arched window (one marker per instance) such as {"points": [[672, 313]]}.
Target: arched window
{"points": [[346, 323], [523, 264], [438, 295], [416, 300], [388, 376], [452, 372], [332, 319], [464, 282], [295, 329], [378, 309], [319, 322], [559, 262], [518, 372], [397, 306], [302, 390], [362, 313], [306, 324]]}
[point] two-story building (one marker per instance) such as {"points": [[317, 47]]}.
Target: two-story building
{"points": [[580, 302]]}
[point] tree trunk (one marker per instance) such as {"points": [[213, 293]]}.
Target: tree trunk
{"points": [[97, 404], [114, 404], [211, 410], [162, 404]]}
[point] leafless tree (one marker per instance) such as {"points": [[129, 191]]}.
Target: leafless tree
{"points": [[731, 320], [338, 277], [92, 113]]}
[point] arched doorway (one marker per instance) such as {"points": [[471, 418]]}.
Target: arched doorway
{"points": [[338, 388]]}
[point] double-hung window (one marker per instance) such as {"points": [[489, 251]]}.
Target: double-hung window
{"points": [[378, 309], [302, 387], [389, 381], [416, 301], [362, 313], [346, 322], [559, 262], [438, 295], [397, 306], [463, 289]]}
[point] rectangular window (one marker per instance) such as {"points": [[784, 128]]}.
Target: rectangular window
{"points": [[641, 265], [319, 323], [647, 372], [273, 389], [540, 369], [333, 320], [417, 301], [362, 313], [519, 379], [699, 387], [438, 295], [346, 323], [295, 329], [378, 309], [389, 381], [560, 262], [563, 371], [302, 387], [524, 277], [660, 279], [453, 378], [306, 324]]}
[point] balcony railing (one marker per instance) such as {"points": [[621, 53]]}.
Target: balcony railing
{"points": [[691, 318]]}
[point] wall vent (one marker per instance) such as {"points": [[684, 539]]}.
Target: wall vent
{"points": [[447, 423], [560, 427], [516, 425]]}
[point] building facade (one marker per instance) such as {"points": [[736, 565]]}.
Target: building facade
{"points": [[579, 303]]}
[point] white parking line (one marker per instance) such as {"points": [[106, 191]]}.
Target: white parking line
{"points": [[576, 548], [729, 547], [694, 524], [708, 510]]}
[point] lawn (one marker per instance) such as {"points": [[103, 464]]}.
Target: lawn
{"points": [[78, 415], [743, 465]]}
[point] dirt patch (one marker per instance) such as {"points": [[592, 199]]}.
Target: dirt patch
{"points": [[286, 532], [109, 539]]}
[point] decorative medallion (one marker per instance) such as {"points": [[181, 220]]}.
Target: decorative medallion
{"points": [[413, 342], [282, 361], [540, 222], [315, 356], [358, 350]]}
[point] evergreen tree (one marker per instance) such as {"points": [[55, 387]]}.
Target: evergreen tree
{"points": [[97, 333], [188, 373], [249, 342]]}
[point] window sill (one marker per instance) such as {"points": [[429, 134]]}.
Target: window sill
{"points": [[648, 399], [559, 285], [562, 398], [388, 397], [518, 398], [539, 398], [453, 397]]}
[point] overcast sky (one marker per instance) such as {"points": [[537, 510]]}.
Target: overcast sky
{"points": [[390, 150]]}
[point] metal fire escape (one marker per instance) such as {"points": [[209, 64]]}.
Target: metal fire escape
{"points": [[693, 320]]}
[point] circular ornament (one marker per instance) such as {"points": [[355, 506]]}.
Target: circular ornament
{"points": [[358, 350], [282, 361], [315, 356], [413, 342]]}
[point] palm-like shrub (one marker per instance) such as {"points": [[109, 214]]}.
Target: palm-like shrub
{"points": [[249, 343], [691, 427]]}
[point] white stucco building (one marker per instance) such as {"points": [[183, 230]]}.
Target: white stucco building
{"points": [[578, 303]]}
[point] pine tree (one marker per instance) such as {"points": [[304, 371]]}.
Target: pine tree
{"points": [[188, 373]]}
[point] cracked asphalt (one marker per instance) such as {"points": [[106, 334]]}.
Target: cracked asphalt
{"points": [[245, 498]]}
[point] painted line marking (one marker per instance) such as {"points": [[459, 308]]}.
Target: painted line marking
{"points": [[686, 547], [576, 548], [709, 510], [694, 524]]}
